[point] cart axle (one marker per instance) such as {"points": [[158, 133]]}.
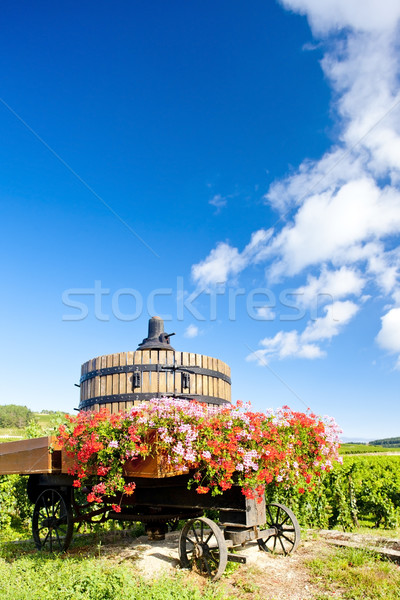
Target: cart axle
{"points": [[237, 558]]}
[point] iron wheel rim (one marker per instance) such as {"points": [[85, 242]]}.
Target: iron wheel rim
{"points": [[286, 538], [202, 548], [52, 522]]}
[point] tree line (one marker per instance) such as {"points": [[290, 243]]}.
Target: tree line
{"points": [[386, 442], [13, 415]]}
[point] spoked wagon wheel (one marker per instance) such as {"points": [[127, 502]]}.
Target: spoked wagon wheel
{"points": [[202, 547], [52, 522], [287, 530]]}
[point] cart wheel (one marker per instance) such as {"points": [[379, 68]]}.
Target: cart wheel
{"points": [[202, 547], [287, 536], [52, 522]]}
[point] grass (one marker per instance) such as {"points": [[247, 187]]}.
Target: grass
{"points": [[367, 527], [44, 422], [90, 572], [354, 574], [36, 576], [364, 449], [12, 431]]}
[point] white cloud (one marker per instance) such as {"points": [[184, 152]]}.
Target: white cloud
{"points": [[327, 225], [385, 266], [388, 337], [314, 177], [341, 212], [285, 344], [222, 262], [218, 201], [330, 286], [364, 74], [292, 344], [191, 331], [342, 205], [265, 313], [337, 315], [225, 261], [331, 15]]}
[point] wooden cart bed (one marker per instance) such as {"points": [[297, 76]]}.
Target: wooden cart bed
{"points": [[44, 455]]}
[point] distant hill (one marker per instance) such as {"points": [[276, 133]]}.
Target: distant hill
{"points": [[18, 422], [354, 440], [387, 442]]}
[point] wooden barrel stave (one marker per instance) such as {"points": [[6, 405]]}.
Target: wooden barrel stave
{"points": [[108, 381]]}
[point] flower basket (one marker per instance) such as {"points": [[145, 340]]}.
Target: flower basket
{"points": [[156, 465], [220, 446]]}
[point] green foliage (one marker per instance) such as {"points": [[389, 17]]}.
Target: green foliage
{"points": [[363, 488], [33, 430], [389, 442], [36, 425], [359, 575], [12, 415], [360, 449], [377, 487], [41, 425], [36, 577], [53, 422], [15, 508]]}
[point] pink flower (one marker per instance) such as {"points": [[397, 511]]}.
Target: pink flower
{"points": [[100, 488], [222, 443]]}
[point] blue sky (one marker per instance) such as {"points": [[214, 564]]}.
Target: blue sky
{"points": [[232, 167]]}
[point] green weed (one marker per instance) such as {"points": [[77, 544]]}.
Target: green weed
{"points": [[36, 577], [358, 574]]}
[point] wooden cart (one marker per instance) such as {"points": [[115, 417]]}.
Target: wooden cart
{"points": [[160, 500]]}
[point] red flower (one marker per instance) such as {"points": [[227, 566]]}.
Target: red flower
{"points": [[100, 488], [249, 493], [225, 485], [129, 488], [91, 497], [202, 489], [102, 470], [250, 448]]}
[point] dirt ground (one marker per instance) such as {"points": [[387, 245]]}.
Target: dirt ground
{"points": [[265, 575]]}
